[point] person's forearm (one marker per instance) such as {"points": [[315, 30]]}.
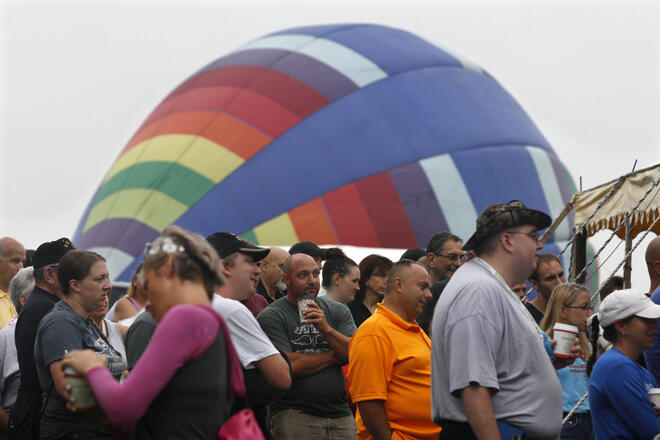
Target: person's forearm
{"points": [[276, 372], [338, 344], [478, 407], [374, 416], [307, 364]]}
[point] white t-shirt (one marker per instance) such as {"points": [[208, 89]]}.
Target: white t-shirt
{"points": [[251, 342]]}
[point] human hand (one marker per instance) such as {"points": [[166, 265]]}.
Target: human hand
{"points": [[314, 315], [561, 362], [83, 360]]}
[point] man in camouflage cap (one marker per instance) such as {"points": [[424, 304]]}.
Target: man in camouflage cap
{"points": [[491, 369]]}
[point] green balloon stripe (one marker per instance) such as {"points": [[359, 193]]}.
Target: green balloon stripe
{"points": [[177, 181]]}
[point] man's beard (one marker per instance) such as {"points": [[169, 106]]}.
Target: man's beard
{"points": [[280, 285]]}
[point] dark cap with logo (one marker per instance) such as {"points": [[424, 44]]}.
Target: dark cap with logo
{"points": [[498, 217], [307, 247], [226, 243], [50, 252]]}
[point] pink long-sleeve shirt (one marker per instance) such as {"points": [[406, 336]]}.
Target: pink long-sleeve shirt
{"points": [[184, 333]]}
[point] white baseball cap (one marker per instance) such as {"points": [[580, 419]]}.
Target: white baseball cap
{"points": [[622, 304]]}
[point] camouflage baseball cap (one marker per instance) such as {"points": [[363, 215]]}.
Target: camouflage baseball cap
{"points": [[497, 217]]}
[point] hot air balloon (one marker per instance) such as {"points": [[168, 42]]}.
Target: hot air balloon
{"points": [[351, 134]]}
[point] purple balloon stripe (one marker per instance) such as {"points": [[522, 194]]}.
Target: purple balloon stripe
{"points": [[419, 201], [324, 79], [132, 234]]}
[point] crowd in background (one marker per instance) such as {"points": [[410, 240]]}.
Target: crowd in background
{"points": [[217, 335]]}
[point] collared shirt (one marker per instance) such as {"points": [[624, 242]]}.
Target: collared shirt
{"points": [[390, 360], [7, 309]]}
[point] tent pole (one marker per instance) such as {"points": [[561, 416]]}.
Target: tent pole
{"points": [[627, 267], [579, 256]]}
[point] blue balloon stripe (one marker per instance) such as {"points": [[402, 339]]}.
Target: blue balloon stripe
{"points": [[499, 174]]}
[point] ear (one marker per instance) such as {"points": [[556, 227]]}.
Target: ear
{"points": [[506, 242], [398, 284], [563, 312], [534, 284], [74, 286], [22, 299], [167, 269], [620, 327], [430, 259], [335, 278], [225, 270]]}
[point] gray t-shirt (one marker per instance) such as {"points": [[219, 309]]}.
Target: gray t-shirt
{"points": [[322, 394], [61, 330], [483, 335]]}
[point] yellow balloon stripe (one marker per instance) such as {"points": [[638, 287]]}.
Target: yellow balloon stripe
{"points": [[195, 152], [276, 231], [151, 207]]}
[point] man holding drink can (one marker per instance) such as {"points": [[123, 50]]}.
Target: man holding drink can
{"points": [[315, 407]]}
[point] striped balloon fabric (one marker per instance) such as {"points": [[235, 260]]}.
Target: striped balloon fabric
{"points": [[349, 134]]}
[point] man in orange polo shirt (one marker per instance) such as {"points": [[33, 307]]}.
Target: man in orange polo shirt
{"points": [[389, 370]]}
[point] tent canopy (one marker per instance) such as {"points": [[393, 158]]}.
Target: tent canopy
{"points": [[632, 188]]}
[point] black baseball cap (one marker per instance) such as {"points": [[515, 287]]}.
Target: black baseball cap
{"points": [[307, 247], [226, 243], [413, 254], [51, 252]]}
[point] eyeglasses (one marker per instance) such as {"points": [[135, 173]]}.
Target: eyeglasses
{"points": [[534, 235], [453, 257], [583, 308]]}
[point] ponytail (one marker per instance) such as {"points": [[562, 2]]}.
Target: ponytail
{"points": [[594, 330]]}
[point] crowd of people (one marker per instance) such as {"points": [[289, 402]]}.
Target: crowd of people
{"points": [[220, 338]]}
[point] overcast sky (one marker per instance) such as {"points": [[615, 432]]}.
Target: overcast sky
{"points": [[78, 78]]}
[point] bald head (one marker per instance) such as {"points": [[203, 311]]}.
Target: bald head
{"points": [[301, 276], [653, 251], [12, 255], [652, 257], [407, 290], [402, 269], [272, 267]]}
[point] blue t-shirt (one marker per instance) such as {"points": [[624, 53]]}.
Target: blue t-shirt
{"points": [[619, 399], [574, 385], [652, 355]]}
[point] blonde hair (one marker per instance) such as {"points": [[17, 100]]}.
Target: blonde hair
{"points": [[563, 294]]}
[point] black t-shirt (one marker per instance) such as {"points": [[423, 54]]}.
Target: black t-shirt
{"points": [[536, 313], [425, 319], [359, 311], [261, 290], [38, 304]]}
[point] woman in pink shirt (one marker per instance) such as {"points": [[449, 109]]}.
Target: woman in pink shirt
{"points": [[180, 386]]}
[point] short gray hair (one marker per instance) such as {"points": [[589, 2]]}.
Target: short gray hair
{"points": [[21, 284]]}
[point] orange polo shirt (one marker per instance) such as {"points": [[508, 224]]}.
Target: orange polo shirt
{"points": [[390, 360]]}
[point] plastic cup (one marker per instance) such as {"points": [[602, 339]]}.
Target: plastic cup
{"points": [[83, 396], [303, 305], [565, 335], [654, 395]]}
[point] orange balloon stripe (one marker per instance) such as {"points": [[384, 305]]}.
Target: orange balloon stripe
{"points": [[222, 129], [311, 222]]}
